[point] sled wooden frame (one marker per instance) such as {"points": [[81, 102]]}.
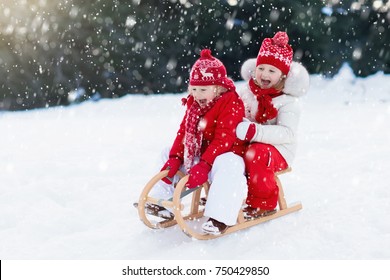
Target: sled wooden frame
{"points": [[197, 213]]}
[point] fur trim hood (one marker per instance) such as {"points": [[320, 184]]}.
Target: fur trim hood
{"points": [[297, 82]]}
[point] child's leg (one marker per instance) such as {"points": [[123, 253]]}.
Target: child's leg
{"points": [[228, 188], [161, 189], [262, 161]]}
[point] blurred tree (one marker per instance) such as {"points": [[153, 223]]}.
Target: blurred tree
{"points": [[370, 45], [50, 50]]}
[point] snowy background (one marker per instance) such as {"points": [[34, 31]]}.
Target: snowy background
{"points": [[69, 176]]}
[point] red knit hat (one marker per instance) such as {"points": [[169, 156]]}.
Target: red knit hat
{"points": [[208, 70], [277, 52]]}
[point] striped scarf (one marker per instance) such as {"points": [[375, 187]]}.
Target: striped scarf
{"points": [[193, 134]]}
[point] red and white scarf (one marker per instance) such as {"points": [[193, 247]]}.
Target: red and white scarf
{"points": [[266, 110], [193, 134]]}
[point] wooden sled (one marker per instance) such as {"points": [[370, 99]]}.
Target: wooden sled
{"points": [[188, 213]]}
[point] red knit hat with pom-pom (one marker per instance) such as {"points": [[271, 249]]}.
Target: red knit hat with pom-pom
{"points": [[277, 52], [208, 70]]}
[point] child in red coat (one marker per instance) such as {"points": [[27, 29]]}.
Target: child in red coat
{"points": [[204, 144]]}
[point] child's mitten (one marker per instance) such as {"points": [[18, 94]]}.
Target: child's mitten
{"points": [[199, 174], [173, 164], [246, 131]]}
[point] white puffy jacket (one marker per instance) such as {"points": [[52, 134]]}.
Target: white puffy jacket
{"points": [[281, 131]]}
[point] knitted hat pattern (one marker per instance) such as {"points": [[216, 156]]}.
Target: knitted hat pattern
{"points": [[208, 70], [276, 52]]}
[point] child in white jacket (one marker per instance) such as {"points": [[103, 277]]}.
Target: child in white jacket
{"points": [[272, 110]]}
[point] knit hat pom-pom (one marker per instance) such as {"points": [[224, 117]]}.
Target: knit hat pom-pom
{"points": [[280, 39], [206, 53]]}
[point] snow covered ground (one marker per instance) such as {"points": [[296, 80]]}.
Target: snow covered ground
{"points": [[69, 176]]}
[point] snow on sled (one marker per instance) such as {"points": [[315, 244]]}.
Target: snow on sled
{"points": [[187, 208]]}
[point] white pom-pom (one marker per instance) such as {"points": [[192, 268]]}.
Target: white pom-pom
{"points": [[298, 79], [248, 69]]}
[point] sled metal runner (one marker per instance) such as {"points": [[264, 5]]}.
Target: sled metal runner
{"points": [[189, 214]]}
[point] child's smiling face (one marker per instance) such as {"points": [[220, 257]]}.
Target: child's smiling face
{"points": [[267, 76], [203, 94]]}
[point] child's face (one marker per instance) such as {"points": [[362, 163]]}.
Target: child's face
{"points": [[203, 94], [267, 76]]}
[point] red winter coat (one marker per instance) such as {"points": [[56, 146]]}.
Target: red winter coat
{"points": [[218, 126]]}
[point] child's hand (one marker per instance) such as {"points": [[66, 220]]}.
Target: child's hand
{"points": [[173, 164], [246, 131], [199, 174]]}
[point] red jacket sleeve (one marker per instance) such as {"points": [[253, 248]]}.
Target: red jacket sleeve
{"points": [[226, 114]]}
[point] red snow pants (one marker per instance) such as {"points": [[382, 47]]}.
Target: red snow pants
{"points": [[261, 163]]}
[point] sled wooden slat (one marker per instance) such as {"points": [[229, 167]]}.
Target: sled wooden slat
{"points": [[182, 217], [144, 197], [164, 203], [241, 224], [195, 201], [165, 224]]}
